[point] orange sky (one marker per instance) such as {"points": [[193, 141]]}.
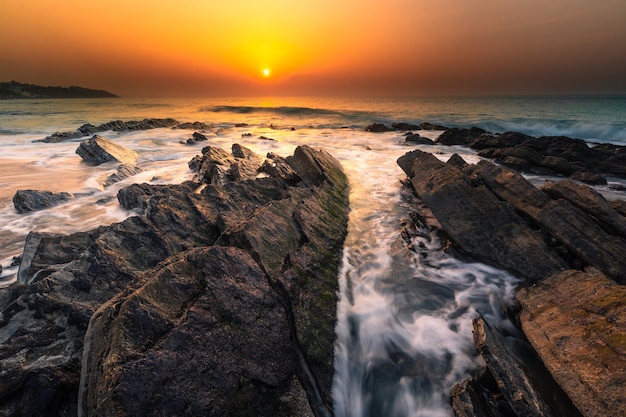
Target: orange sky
{"points": [[321, 47]]}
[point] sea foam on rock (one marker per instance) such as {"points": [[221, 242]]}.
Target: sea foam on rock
{"points": [[218, 300], [571, 317]]}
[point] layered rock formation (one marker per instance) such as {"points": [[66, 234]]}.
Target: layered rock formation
{"points": [[218, 299], [549, 236], [99, 150], [123, 126], [545, 155], [576, 321]]}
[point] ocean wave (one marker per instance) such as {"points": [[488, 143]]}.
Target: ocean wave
{"points": [[593, 132], [288, 111]]}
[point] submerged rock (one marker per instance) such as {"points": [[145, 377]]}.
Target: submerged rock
{"points": [[26, 201], [123, 126], [123, 171], [214, 301], [99, 150], [378, 128]]}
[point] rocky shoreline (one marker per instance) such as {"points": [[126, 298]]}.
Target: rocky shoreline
{"points": [[219, 296], [569, 244], [216, 299]]}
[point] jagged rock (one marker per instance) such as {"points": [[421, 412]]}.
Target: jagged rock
{"points": [[197, 137], [45, 253], [123, 171], [591, 202], [121, 126], [26, 201], [457, 161], [115, 125], [618, 205], [475, 207], [99, 150], [509, 375], [479, 397], [579, 233], [575, 321], [485, 227], [378, 128], [195, 276], [277, 167], [216, 166], [194, 126], [547, 154], [218, 341]]}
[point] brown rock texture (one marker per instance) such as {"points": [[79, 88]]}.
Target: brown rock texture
{"points": [[576, 321]]}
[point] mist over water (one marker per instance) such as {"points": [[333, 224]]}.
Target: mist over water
{"points": [[405, 307]]}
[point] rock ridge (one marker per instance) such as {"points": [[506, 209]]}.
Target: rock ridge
{"points": [[568, 242], [176, 310]]}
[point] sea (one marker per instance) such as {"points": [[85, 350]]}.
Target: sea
{"points": [[404, 330]]}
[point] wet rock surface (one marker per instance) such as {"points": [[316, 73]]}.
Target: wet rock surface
{"points": [[545, 155], [26, 201], [98, 150], [217, 299], [576, 320], [569, 243], [119, 126]]}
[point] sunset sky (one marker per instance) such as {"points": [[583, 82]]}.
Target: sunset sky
{"points": [[321, 47]]}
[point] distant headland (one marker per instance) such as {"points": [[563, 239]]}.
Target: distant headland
{"points": [[13, 89]]}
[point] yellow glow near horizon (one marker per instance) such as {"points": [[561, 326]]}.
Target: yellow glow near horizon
{"points": [[401, 46]]}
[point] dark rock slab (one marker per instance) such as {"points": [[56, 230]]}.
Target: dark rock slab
{"points": [[575, 321], [123, 171], [574, 215], [26, 201], [545, 155], [509, 375], [479, 396], [99, 150], [480, 223], [216, 342], [591, 202], [583, 237]]}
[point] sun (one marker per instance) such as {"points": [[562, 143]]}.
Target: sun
{"points": [[266, 72]]}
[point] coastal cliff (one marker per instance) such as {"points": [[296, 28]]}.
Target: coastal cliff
{"points": [[13, 89]]}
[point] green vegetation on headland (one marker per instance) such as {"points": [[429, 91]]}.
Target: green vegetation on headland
{"points": [[14, 89]]}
